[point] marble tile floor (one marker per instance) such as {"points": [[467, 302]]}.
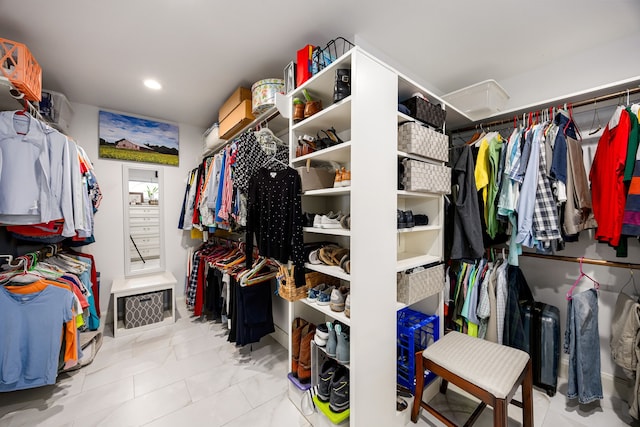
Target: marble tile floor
{"points": [[188, 374]]}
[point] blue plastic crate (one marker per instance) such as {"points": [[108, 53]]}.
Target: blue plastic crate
{"points": [[415, 331]]}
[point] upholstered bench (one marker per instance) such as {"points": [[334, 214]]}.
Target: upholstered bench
{"points": [[491, 372]]}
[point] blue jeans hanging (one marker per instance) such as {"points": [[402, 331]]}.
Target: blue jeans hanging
{"points": [[582, 343]]}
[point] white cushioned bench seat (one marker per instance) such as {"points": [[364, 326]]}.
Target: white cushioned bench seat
{"points": [[488, 365]]}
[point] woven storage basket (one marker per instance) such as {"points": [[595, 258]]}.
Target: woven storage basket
{"points": [[426, 177], [413, 287], [423, 141], [425, 111], [287, 287]]}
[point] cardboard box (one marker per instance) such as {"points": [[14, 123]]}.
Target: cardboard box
{"points": [[239, 117], [239, 95]]}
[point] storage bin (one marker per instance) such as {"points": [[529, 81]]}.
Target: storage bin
{"points": [[415, 332], [416, 286], [143, 309], [236, 98], [211, 140], [314, 178], [425, 111], [263, 94], [236, 120], [426, 177], [55, 108], [480, 100], [423, 141], [19, 66]]}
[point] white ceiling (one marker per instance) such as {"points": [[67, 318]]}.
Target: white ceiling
{"points": [[98, 52]]}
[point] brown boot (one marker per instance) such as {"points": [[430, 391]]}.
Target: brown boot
{"points": [[296, 336], [304, 363]]}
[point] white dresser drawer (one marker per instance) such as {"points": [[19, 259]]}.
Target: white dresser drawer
{"points": [[138, 211], [144, 230]]}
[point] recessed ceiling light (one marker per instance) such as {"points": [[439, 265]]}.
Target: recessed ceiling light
{"points": [[152, 84]]}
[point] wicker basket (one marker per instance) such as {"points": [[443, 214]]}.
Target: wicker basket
{"points": [[413, 287], [425, 111], [423, 141], [426, 177], [287, 287]]}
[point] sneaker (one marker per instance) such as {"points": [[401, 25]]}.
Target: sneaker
{"points": [[324, 379], [347, 306], [337, 298], [339, 396], [408, 216], [312, 294], [331, 222], [324, 297], [322, 331], [342, 347], [402, 221], [317, 219], [421, 219], [332, 341], [345, 222]]}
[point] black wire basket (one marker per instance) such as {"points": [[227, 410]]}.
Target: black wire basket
{"points": [[324, 56]]}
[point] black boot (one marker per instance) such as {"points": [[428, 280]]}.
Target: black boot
{"points": [[342, 88]]}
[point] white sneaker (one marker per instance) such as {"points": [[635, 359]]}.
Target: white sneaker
{"points": [[317, 220], [331, 222]]}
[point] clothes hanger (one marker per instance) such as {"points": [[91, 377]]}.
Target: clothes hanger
{"points": [[595, 115], [596, 285], [632, 279]]}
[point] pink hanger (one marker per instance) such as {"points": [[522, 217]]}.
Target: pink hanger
{"points": [[596, 285]]}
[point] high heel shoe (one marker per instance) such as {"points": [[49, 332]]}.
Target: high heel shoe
{"points": [[331, 133]]}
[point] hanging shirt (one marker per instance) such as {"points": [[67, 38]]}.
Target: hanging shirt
{"points": [[631, 217], [527, 200], [482, 174], [607, 175], [495, 148], [545, 215]]}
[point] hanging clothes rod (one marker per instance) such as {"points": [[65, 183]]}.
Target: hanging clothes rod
{"points": [[577, 104], [600, 262]]}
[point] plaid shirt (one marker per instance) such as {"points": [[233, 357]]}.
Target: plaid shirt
{"points": [[545, 213]]}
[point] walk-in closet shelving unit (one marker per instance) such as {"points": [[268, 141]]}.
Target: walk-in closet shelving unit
{"points": [[367, 123]]}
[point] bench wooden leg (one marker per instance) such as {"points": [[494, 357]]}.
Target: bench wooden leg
{"points": [[527, 396], [500, 416], [417, 400]]}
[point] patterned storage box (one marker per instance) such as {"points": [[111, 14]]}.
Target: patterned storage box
{"points": [[143, 309], [423, 141], [426, 177], [425, 111], [413, 287]]}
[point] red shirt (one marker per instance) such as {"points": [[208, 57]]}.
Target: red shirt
{"points": [[607, 186]]}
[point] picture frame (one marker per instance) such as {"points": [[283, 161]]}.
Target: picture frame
{"points": [[289, 77], [136, 198], [137, 139]]}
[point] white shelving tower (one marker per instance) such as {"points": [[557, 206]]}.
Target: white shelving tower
{"points": [[367, 122]]}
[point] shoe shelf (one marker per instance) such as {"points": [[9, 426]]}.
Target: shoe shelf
{"points": [[327, 356], [331, 270], [340, 153], [339, 191], [320, 86], [334, 417], [337, 115], [330, 231], [407, 260], [326, 310], [419, 228]]}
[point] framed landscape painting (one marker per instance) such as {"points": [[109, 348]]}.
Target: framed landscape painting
{"points": [[136, 139]]}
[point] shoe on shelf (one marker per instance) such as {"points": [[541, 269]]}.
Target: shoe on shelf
{"points": [[313, 257], [331, 222], [339, 396], [345, 263], [317, 219], [331, 255], [337, 182], [338, 296], [324, 297], [347, 306], [333, 135], [346, 178], [312, 294], [345, 222], [421, 219], [325, 377], [304, 362], [322, 334], [342, 86], [342, 346], [332, 340], [402, 221], [408, 217], [296, 336]]}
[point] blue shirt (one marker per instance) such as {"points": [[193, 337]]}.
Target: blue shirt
{"points": [[31, 336]]}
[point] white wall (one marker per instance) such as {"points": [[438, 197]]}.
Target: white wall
{"points": [[108, 248]]}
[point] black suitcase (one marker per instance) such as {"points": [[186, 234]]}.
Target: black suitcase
{"points": [[542, 332]]}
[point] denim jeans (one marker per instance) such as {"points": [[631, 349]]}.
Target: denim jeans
{"points": [[582, 343]]}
